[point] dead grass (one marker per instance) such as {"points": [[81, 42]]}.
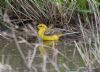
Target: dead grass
{"points": [[21, 20]]}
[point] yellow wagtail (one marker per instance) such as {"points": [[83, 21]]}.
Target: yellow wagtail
{"points": [[42, 28]]}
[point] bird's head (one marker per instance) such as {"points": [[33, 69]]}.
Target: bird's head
{"points": [[42, 26]]}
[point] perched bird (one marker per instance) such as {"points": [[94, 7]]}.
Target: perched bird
{"points": [[42, 28]]}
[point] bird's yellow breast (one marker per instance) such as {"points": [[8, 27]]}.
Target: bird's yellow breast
{"points": [[53, 37]]}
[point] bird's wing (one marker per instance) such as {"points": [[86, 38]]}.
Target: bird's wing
{"points": [[58, 31]]}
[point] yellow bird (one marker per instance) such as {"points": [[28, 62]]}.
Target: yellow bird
{"points": [[41, 33], [42, 28]]}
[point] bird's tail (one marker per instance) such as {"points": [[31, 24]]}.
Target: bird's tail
{"points": [[65, 34]]}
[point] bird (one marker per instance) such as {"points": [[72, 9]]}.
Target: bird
{"points": [[42, 28]]}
